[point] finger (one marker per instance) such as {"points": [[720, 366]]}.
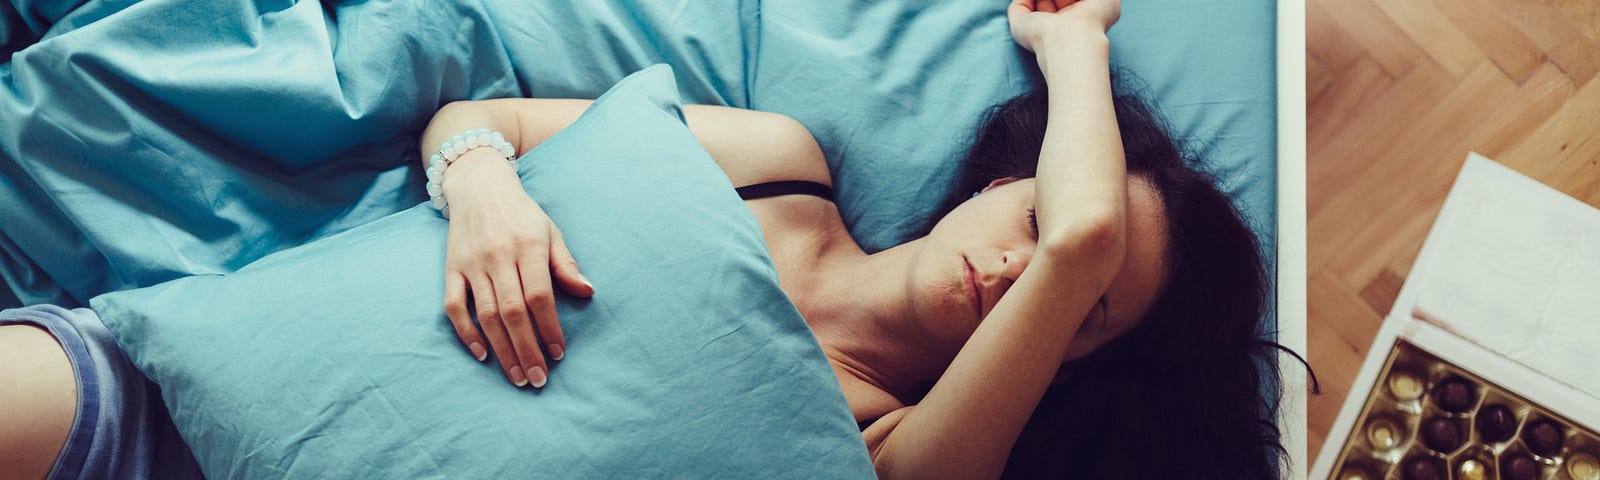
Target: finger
{"points": [[508, 289], [535, 270], [1046, 6], [489, 318], [455, 307], [566, 267]]}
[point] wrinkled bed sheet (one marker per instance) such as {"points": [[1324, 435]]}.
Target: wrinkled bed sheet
{"points": [[146, 141]]}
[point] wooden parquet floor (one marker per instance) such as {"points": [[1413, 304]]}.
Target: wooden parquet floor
{"points": [[1398, 91]]}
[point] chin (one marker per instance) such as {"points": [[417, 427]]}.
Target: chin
{"points": [[942, 306]]}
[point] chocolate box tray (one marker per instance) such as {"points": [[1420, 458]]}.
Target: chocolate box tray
{"points": [[1443, 408]]}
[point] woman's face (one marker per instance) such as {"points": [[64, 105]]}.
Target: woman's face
{"points": [[991, 237]]}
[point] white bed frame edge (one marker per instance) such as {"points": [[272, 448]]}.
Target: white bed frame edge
{"points": [[1291, 238]]}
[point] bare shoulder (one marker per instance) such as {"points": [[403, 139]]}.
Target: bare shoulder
{"points": [[757, 147], [754, 147]]}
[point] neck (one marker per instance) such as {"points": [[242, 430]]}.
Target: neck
{"points": [[857, 305]]}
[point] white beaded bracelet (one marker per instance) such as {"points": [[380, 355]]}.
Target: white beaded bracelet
{"points": [[453, 149]]}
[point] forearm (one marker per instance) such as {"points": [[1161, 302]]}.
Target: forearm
{"points": [[967, 424], [505, 116], [745, 143], [1082, 168], [523, 132]]}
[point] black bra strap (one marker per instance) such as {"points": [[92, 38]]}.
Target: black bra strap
{"points": [[787, 187]]}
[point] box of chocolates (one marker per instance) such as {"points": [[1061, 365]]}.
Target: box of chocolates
{"points": [[1431, 416]]}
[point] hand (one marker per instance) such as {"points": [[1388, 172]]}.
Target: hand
{"points": [[1032, 21], [505, 251]]}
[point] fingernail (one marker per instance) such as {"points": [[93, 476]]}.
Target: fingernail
{"points": [[585, 281], [517, 378], [537, 375], [478, 351], [555, 351]]}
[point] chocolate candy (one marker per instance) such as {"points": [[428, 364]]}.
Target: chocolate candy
{"points": [[1496, 423], [1383, 434], [1441, 435], [1543, 438], [1421, 468], [1582, 466], [1355, 475], [1418, 423], [1405, 386], [1519, 467], [1453, 395]]}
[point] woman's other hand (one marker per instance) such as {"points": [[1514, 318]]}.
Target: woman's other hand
{"points": [[506, 253], [1034, 22]]}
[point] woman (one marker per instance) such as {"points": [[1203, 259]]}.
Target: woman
{"points": [[1052, 284], [1042, 304]]}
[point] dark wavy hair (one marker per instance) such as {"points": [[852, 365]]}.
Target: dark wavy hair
{"points": [[1192, 390]]}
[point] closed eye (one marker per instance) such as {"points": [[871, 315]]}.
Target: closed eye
{"points": [[1033, 222]]}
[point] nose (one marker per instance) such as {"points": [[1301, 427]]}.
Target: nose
{"points": [[1015, 262]]}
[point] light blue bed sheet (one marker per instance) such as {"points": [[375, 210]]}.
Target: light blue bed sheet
{"points": [[146, 141]]}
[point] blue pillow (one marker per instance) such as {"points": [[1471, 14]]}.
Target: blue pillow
{"points": [[334, 359]]}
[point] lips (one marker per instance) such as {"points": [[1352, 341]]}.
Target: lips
{"points": [[970, 286]]}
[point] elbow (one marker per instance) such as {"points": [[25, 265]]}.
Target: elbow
{"points": [[1100, 234]]}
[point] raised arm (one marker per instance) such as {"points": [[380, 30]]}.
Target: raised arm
{"points": [[506, 252], [966, 425]]}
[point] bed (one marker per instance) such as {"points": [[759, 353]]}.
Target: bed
{"points": [[161, 140]]}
